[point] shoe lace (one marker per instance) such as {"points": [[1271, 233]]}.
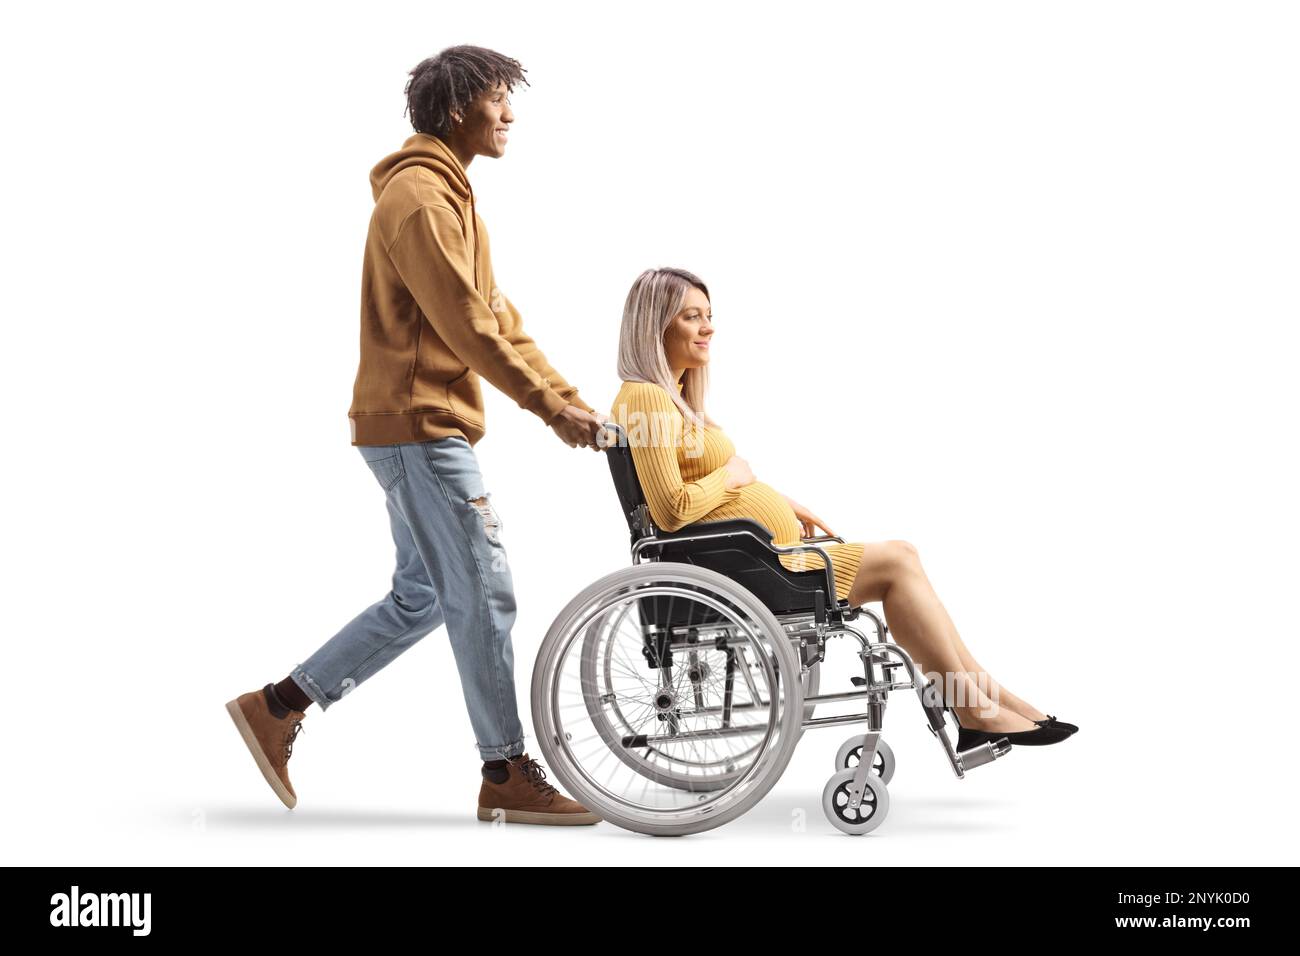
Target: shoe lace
{"points": [[290, 737], [535, 775]]}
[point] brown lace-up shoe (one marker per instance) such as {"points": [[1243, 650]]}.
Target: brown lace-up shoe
{"points": [[269, 728], [520, 792]]}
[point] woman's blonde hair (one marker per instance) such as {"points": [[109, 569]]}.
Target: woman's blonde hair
{"points": [[654, 299]]}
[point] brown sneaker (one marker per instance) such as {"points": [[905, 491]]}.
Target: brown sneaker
{"points": [[522, 795], [269, 729]]}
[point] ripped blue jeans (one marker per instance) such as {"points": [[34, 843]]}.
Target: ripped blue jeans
{"points": [[451, 568]]}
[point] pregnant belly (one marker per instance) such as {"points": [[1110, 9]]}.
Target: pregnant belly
{"points": [[764, 504]]}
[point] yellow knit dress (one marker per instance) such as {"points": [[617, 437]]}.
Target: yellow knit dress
{"points": [[682, 472]]}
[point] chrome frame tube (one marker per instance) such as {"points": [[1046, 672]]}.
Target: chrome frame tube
{"points": [[734, 731]]}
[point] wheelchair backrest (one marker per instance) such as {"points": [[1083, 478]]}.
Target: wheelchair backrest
{"points": [[623, 471]]}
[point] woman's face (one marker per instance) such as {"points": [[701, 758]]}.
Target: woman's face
{"points": [[687, 338]]}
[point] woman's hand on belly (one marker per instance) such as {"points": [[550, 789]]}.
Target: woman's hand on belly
{"points": [[808, 521], [739, 474], [769, 508]]}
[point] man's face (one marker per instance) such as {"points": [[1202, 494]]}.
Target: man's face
{"points": [[485, 128]]}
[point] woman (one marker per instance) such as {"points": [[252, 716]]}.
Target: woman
{"points": [[689, 472]]}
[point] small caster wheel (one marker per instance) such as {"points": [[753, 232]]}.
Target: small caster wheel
{"points": [[850, 754], [867, 816]]}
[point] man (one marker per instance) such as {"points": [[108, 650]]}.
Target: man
{"points": [[432, 322]]}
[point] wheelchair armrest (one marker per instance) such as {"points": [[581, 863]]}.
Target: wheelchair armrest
{"points": [[815, 539], [726, 526], [705, 539]]}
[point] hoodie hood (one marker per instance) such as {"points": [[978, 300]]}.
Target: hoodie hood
{"points": [[422, 149]]}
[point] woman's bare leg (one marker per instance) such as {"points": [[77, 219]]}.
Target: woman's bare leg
{"points": [[891, 573], [991, 687]]}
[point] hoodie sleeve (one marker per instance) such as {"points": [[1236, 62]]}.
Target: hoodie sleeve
{"points": [[533, 355], [650, 417], [432, 260]]}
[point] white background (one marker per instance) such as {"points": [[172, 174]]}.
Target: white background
{"points": [[1015, 282]]}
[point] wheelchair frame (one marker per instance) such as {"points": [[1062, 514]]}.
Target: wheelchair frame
{"points": [[812, 628], [805, 605]]}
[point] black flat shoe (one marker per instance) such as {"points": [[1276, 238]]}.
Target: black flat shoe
{"points": [[1051, 721], [1039, 737], [1057, 730]]}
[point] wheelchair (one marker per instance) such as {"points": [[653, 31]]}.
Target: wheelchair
{"points": [[668, 696]]}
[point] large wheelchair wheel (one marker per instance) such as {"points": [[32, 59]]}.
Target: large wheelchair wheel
{"points": [[663, 698], [665, 763], [688, 771]]}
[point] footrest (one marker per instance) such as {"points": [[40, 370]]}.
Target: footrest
{"points": [[984, 753]]}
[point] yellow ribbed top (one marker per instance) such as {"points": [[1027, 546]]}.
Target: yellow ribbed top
{"points": [[682, 470]]}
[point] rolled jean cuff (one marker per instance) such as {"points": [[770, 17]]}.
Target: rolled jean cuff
{"points": [[504, 752], [310, 687]]}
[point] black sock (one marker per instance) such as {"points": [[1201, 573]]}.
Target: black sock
{"points": [[291, 695], [495, 770], [273, 703]]}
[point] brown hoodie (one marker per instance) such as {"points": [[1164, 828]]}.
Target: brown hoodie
{"points": [[432, 317]]}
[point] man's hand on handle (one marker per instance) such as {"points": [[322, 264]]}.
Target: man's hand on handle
{"points": [[578, 428]]}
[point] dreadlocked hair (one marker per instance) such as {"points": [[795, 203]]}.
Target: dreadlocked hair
{"points": [[450, 81]]}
